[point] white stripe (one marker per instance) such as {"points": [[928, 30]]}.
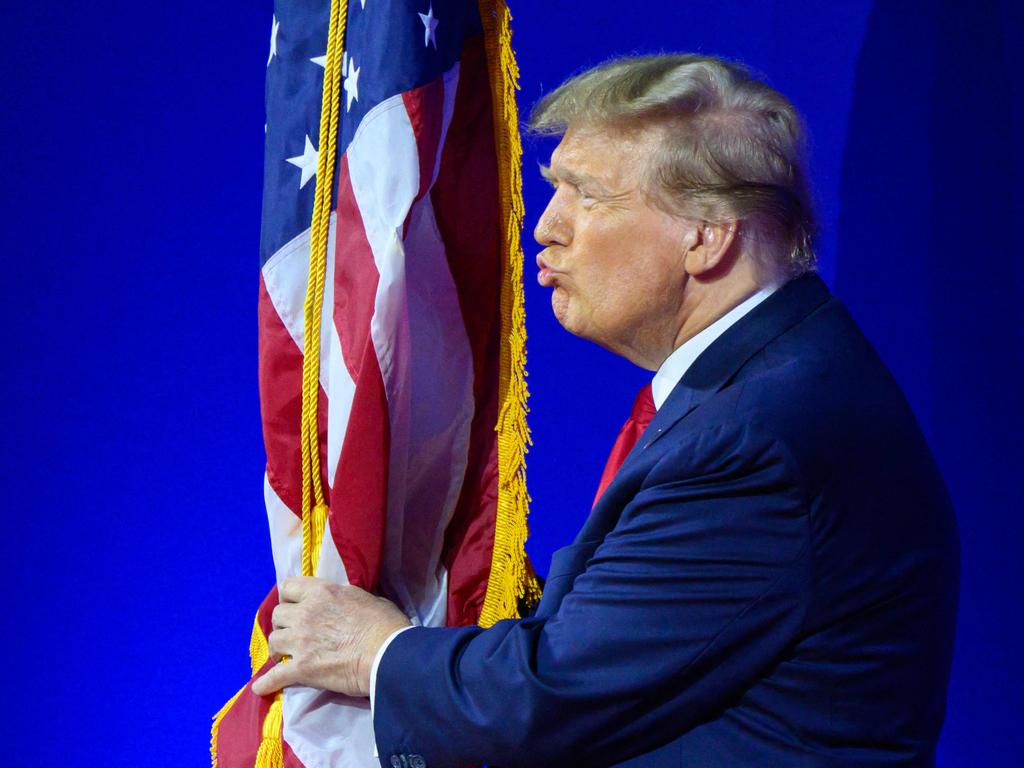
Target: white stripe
{"points": [[428, 466], [391, 136], [330, 566], [285, 275], [424, 355], [285, 534], [328, 730], [341, 391]]}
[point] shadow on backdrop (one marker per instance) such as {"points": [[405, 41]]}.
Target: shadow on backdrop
{"points": [[929, 264]]}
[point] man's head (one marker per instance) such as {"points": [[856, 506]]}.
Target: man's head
{"points": [[679, 190]]}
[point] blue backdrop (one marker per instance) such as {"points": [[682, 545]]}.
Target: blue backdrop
{"points": [[131, 453]]}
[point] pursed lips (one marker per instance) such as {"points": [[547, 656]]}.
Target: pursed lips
{"points": [[547, 274]]}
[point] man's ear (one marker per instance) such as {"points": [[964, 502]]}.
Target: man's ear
{"points": [[709, 248]]}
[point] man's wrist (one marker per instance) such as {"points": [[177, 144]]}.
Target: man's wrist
{"points": [[373, 673], [374, 649], [380, 655]]}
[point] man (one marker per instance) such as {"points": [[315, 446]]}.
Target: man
{"points": [[770, 578]]}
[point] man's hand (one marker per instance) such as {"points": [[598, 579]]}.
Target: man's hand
{"points": [[330, 634]]}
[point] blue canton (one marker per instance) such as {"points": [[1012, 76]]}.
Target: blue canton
{"points": [[391, 46]]}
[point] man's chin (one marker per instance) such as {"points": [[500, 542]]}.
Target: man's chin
{"points": [[572, 322], [562, 311]]}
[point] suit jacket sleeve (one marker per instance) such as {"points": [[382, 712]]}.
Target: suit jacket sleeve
{"points": [[691, 597]]}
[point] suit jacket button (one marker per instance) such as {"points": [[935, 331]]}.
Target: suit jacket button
{"points": [[396, 761], [417, 761]]}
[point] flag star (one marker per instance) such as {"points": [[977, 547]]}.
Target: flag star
{"points": [[307, 162], [351, 84], [273, 40], [429, 27], [320, 61]]}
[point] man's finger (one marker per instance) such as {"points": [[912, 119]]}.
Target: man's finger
{"points": [[284, 615], [294, 588], [280, 643], [274, 679]]}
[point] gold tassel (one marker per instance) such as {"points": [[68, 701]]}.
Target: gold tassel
{"points": [[512, 580], [271, 751], [318, 529]]}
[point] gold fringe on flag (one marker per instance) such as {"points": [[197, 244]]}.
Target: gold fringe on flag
{"points": [[215, 729], [512, 581], [259, 652]]}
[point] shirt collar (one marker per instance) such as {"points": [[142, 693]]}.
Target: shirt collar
{"points": [[676, 364]]}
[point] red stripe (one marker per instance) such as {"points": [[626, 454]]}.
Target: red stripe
{"points": [[468, 219], [425, 107], [280, 384], [359, 494], [264, 616], [241, 729], [355, 276], [469, 538], [290, 760]]}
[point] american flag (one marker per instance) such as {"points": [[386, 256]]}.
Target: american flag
{"points": [[411, 355]]}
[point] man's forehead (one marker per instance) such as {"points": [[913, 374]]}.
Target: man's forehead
{"points": [[601, 152]]}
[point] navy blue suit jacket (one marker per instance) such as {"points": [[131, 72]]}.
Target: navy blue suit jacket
{"points": [[770, 580]]}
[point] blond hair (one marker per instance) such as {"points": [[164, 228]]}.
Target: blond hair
{"points": [[732, 148]]}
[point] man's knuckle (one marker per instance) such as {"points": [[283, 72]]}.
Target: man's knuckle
{"points": [[326, 589]]}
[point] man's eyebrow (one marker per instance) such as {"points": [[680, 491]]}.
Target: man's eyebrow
{"points": [[576, 179]]}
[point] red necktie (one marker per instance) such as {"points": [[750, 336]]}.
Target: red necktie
{"points": [[641, 415]]}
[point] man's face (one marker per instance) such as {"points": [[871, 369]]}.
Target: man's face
{"points": [[614, 262]]}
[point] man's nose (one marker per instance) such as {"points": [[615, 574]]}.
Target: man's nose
{"points": [[552, 227]]}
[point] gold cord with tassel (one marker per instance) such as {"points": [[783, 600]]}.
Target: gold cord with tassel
{"points": [[314, 506], [271, 751]]}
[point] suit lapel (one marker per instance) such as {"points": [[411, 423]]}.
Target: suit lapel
{"points": [[720, 362], [711, 371]]}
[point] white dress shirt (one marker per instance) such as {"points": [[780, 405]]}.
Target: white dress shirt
{"points": [[678, 363], [669, 374]]}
